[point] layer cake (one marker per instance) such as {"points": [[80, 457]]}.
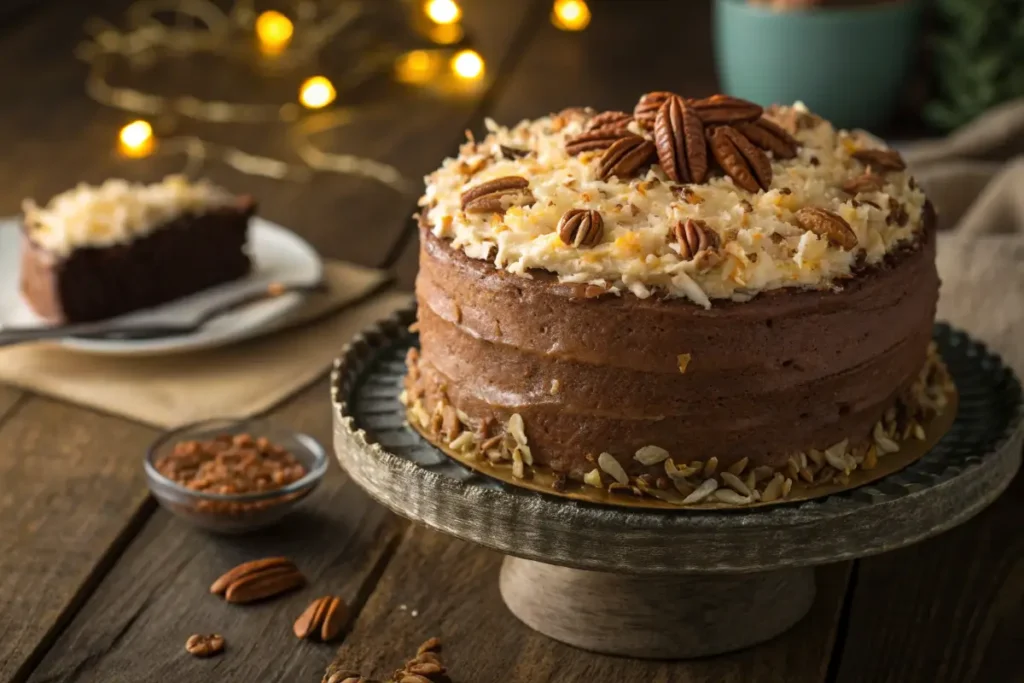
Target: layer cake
{"points": [[697, 295]]}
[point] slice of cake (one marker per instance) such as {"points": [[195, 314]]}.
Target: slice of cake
{"points": [[695, 295], [97, 252]]}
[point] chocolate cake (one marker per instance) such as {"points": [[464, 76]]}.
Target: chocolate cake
{"points": [[700, 296], [97, 252]]}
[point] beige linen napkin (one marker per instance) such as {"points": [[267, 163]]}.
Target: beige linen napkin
{"points": [[239, 380], [975, 177]]}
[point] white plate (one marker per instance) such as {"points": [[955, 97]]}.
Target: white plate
{"points": [[278, 255]]}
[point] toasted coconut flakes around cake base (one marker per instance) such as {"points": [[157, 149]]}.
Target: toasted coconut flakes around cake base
{"points": [[701, 481]]}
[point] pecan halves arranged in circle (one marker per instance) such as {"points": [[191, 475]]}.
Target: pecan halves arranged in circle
{"points": [[679, 137], [881, 159], [613, 120], [726, 109], [646, 110], [827, 224], [581, 227], [599, 138], [770, 136], [694, 236], [625, 157], [495, 196], [747, 165]]}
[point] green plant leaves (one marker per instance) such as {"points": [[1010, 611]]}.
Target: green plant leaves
{"points": [[978, 58]]}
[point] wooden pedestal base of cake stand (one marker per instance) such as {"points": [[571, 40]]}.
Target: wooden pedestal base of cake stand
{"points": [[678, 584], [661, 617]]}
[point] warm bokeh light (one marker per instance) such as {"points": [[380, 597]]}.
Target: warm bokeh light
{"points": [[443, 11], [317, 92], [274, 31], [468, 64], [570, 15], [445, 34], [136, 139], [417, 67]]}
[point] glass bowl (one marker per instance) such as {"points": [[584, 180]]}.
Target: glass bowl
{"points": [[234, 513]]}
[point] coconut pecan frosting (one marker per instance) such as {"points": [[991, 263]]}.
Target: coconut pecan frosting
{"points": [[779, 197]]}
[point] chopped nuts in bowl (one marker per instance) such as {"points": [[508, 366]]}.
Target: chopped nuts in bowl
{"points": [[232, 476]]}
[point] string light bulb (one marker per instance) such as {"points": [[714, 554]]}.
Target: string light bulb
{"points": [[570, 15], [417, 66], [317, 92], [136, 139], [468, 65], [443, 12], [274, 31]]}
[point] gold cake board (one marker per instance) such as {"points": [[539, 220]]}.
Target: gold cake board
{"points": [[541, 478]]}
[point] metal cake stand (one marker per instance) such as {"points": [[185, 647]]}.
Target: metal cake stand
{"points": [[669, 584]]}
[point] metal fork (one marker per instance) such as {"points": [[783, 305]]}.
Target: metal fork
{"points": [[142, 331]]}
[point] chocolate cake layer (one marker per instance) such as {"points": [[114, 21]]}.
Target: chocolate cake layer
{"points": [[181, 257], [787, 371]]}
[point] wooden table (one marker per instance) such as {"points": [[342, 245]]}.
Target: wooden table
{"points": [[98, 584]]}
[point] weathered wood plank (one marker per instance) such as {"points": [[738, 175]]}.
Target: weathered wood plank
{"points": [[70, 482], [439, 586], [949, 610], [135, 625]]}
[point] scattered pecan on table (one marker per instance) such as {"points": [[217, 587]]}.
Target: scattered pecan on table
{"points": [[258, 580], [324, 619], [204, 645], [424, 667]]}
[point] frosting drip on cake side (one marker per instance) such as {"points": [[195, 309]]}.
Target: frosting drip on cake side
{"points": [[116, 211], [762, 243]]}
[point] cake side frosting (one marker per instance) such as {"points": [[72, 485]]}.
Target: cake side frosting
{"points": [[762, 379], [760, 241], [115, 212]]}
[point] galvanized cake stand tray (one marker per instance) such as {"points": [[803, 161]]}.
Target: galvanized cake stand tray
{"points": [[676, 584]]}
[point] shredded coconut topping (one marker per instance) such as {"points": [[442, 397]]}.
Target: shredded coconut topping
{"points": [[762, 247], [115, 212]]}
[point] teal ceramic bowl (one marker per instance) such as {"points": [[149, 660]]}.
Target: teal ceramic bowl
{"points": [[848, 65]]}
